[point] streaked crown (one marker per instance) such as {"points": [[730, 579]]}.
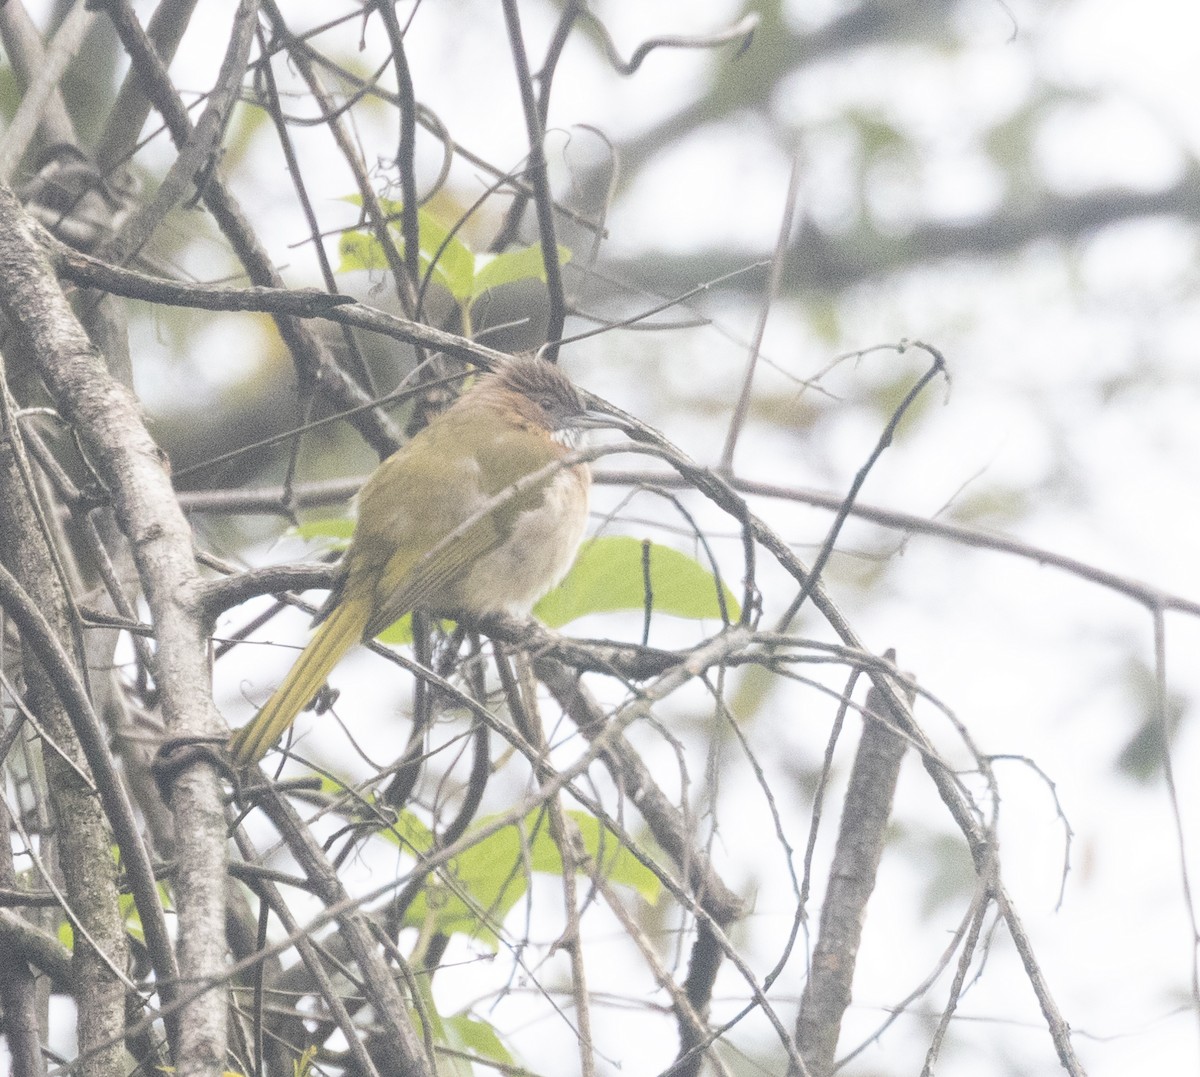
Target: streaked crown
{"points": [[541, 392]]}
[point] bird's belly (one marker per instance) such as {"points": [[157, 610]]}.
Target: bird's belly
{"points": [[534, 558]]}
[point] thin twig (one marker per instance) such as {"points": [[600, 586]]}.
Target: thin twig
{"points": [[543, 200], [812, 575], [742, 407], [1162, 715], [740, 32]]}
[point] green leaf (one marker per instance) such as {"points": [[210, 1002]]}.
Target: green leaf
{"points": [[470, 1034], [454, 267], [408, 832], [490, 877], [302, 1066], [1142, 756], [128, 907], [358, 251], [130, 917], [400, 632], [617, 863], [489, 881], [338, 527], [332, 788], [608, 575], [524, 263]]}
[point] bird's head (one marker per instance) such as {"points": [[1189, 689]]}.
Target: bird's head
{"points": [[539, 394]]}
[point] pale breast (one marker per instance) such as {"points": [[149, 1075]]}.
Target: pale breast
{"points": [[535, 557]]}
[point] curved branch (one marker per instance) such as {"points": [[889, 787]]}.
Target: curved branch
{"points": [[822, 263], [741, 31]]}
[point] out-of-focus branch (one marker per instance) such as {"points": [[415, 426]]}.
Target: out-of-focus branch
{"points": [[777, 51], [23, 48], [406, 163], [41, 97], [198, 156], [132, 105], [821, 263], [543, 200], [27, 942]]}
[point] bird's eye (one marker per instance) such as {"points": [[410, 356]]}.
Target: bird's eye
{"points": [[547, 402]]}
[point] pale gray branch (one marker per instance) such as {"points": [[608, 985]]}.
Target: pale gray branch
{"points": [[109, 424]]}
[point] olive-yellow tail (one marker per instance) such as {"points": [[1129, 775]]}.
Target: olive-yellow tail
{"points": [[334, 637]]}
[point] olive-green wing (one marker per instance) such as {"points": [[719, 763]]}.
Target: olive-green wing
{"points": [[406, 584], [419, 498]]}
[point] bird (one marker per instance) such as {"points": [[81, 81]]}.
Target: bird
{"points": [[426, 540]]}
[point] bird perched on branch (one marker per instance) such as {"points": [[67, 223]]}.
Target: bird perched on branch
{"points": [[471, 517]]}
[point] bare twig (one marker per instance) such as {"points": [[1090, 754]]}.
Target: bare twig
{"points": [[543, 200], [865, 813], [970, 942], [740, 32], [1164, 722], [812, 575], [314, 361], [742, 407]]}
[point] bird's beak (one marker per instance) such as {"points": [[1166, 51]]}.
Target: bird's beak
{"points": [[596, 420]]}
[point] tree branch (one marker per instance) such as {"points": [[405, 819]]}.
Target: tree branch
{"points": [[109, 424], [316, 365], [856, 857]]}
